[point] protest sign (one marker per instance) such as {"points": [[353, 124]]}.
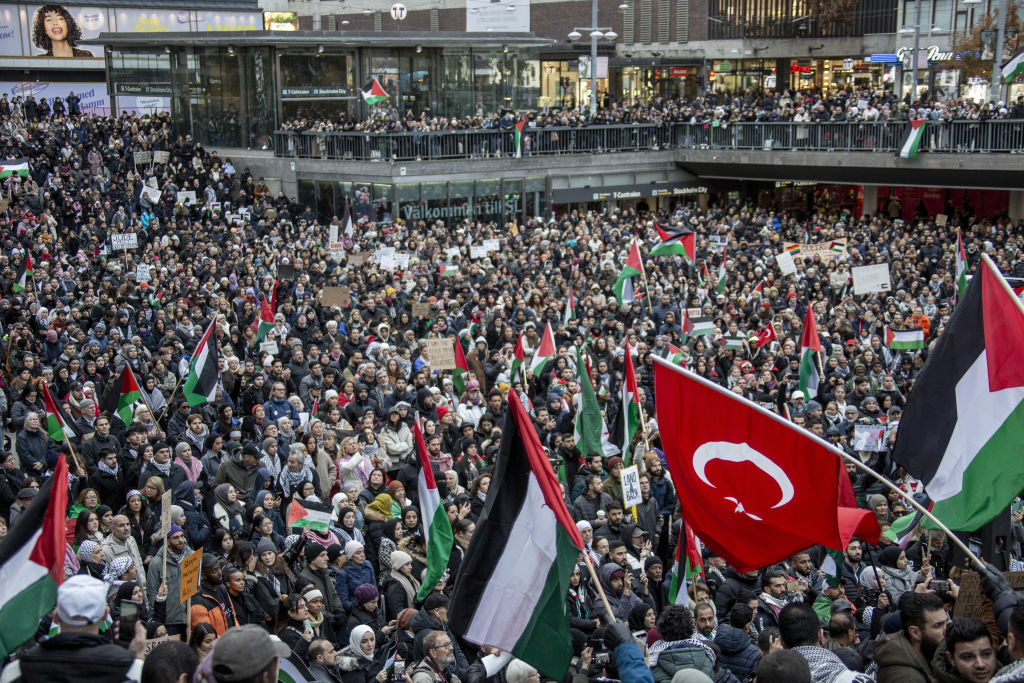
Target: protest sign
{"points": [[161, 157], [336, 296], [631, 487], [492, 245], [871, 279], [441, 353], [477, 252], [420, 310], [186, 197], [190, 575], [269, 347], [142, 273], [124, 240], [786, 264], [143, 158], [869, 438]]}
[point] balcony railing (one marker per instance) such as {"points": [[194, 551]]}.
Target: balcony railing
{"points": [[957, 137]]}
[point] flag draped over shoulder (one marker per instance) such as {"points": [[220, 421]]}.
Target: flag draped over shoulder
{"points": [[437, 530], [32, 562], [510, 592], [964, 421], [744, 474]]}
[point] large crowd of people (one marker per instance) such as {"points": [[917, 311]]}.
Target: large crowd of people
{"points": [[324, 415]]}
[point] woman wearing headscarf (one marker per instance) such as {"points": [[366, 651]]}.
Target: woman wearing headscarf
{"points": [[193, 466], [899, 578], [393, 532], [119, 570], [228, 510], [411, 520], [359, 661], [376, 514], [295, 474], [400, 586], [90, 559], [375, 485], [343, 521]]}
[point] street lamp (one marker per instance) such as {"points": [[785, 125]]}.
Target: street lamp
{"points": [[596, 33]]}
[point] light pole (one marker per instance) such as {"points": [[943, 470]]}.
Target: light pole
{"points": [[596, 34], [917, 47], [997, 76]]}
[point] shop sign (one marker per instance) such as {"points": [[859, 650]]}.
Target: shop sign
{"points": [[490, 207], [848, 64], [679, 71], [142, 88], [724, 66], [935, 53], [798, 68], [623, 192], [316, 91]]}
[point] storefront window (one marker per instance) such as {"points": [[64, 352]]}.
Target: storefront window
{"points": [[492, 76], [214, 96], [512, 194], [535, 188], [460, 195], [382, 202], [487, 205], [317, 86], [457, 83]]}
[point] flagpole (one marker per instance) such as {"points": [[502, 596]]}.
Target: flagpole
{"points": [[597, 584], [78, 463], [643, 272], [844, 456]]}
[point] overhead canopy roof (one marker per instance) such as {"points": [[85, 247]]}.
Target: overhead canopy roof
{"points": [[285, 39]]}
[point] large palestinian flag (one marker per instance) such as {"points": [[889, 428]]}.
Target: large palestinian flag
{"points": [[510, 593], [309, 514], [623, 287], [24, 273], [544, 352], [121, 397], [437, 530], [675, 244], [201, 384], [903, 340], [1013, 68], [58, 424], [18, 167], [32, 563], [964, 421], [373, 93], [912, 137], [265, 322], [461, 370], [810, 344]]}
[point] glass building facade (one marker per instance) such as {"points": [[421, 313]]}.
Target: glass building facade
{"points": [[235, 89]]}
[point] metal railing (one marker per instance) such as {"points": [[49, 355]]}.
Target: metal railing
{"points": [[854, 136]]}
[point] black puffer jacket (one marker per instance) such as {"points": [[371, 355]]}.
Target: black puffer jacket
{"points": [[739, 654], [75, 657]]}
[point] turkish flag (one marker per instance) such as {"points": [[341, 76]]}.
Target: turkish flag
{"points": [[754, 486]]}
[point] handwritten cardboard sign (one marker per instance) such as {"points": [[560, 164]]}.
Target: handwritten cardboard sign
{"points": [[336, 296], [441, 353], [190, 575]]}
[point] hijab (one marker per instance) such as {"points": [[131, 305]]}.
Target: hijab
{"points": [[234, 509], [356, 637], [382, 504]]}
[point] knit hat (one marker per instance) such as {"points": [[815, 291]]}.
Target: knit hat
{"points": [[174, 529], [399, 558], [651, 561], [441, 412], [364, 593], [612, 461], [313, 551], [435, 601], [405, 616], [352, 547], [265, 546], [312, 594], [334, 551]]}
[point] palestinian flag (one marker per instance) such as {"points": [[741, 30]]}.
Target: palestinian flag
{"points": [[623, 288], [570, 307], [901, 531], [18, 167], [630, 402], [156, 300], [308, 514], [1013, 68], [121, 397], [32, 563], [722, 274], [520, 125], [544, 352], [461, 368], [810, 344], [589, 421], [475, 325], [758, 292], [964, 420], [912, 137], [373, 93], [688, 564], [448, 270], [294, 670], [675, 244], [21, 282], [437, 530], [675, 355], [685, 326], [201, 384], [518, 357], [701, 326], [510, 592], [265, 323], [904, 340], [703, 277], [734, 343], [766, 336], [961, 266], [832, 567], [58, 423]]}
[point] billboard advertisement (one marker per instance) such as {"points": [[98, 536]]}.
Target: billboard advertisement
{"points": [[93, 97], [229, 21], [58, 31], [505, 17], [142, 104], [140, 21]]}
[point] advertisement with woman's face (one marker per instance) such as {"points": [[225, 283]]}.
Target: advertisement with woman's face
{"points": [[56, 31]]}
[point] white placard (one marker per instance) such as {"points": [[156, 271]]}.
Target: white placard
{"points": [[387, 262], [337, 250], [333, 233], [871, 279], [477, 252], [384, 252], [452, 253], [142, 273], [269, 347], [124, 240], [187, 197], [786, 264], [150, 193], [869, 438], [492, 245], [402, 261], [631, 487]]}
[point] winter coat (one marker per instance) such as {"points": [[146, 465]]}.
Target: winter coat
{"points": [[350, 577], [682, 655], [321, 579], [739, 654], [74, 657], [899, 663], [175, 609]]}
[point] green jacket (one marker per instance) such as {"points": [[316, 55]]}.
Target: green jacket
{"points": [[898, 662]]}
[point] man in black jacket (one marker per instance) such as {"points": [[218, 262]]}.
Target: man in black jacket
{"points": [[78, 652]]}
